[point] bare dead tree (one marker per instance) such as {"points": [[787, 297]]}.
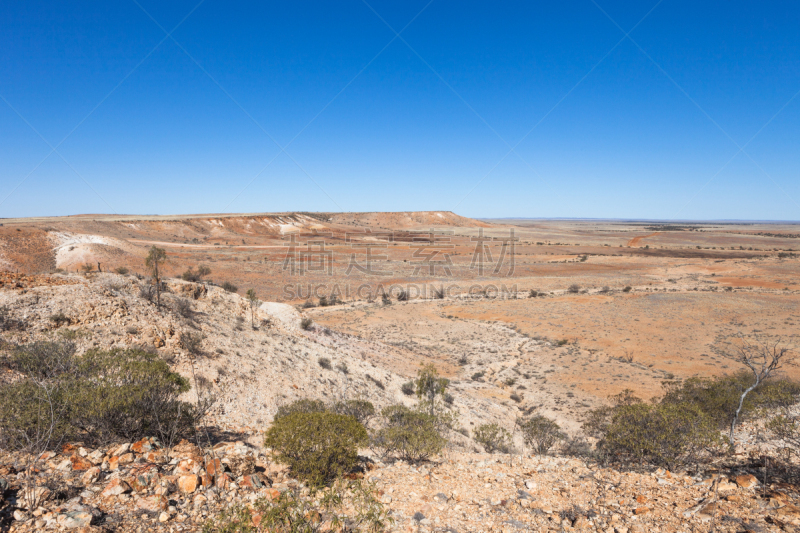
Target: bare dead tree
{"points": [[763, 358]]}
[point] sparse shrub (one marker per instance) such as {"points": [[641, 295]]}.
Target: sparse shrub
{"points": [[510, 381], [533, 293], [361, 410], [229, 287], [462, 360], [182, 307], [132, 330], [306, 323], [87, 267], [516, 397], [301, 406], [477, 375], [408, 433], [318, 447], [438, 293], [605, 289], [292, 512], [386, 299], [540, 433], [323, 301], [192, 342], [493, 438], [342, 367], [324, 362], [402, 296], [60, 319], [378, 383], [627, 288], [574, 288], [407, 388], [577, 447], [122, 271], [562, 342], [308, 304], [73, 334], [147, 292]]}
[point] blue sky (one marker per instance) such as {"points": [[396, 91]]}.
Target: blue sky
{"points": [[320, 106]]}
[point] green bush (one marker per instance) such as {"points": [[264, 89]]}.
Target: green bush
{"points": [[325, 363], [719, 397], [540, 433], [318, 447], [99, 397], [493, 438], [668, 435], [408, 388], [408, 433], [129, 394], [361, 410], [45, 360], [301, 406]]}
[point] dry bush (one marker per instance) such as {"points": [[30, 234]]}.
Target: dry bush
{"points": [[306, 323], [229, 287], [192, 342], [182, 307]]}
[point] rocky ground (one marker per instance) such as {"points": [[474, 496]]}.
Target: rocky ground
{"points": [[138, 487], [253, 364]]}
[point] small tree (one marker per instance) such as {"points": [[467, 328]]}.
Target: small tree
{"points": [[254, 303], [155, 257], [493, 438], [540, 433], [763, 359]]}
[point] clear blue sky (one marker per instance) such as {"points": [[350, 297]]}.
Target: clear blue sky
{"points": [[602, 125]]}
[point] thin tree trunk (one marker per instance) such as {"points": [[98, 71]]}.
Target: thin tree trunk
{"points": [[739, 409]]}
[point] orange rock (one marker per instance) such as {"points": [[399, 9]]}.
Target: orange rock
{"points": [[746, 481], [142, 446], [157, 457], [214, 467], [115, 488], [188, 466], [641, 499], [188, 484], [641, 510], [91, 475], [152, 503], [68, 448], [79, 463], [143, 476], [126, 458]]}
